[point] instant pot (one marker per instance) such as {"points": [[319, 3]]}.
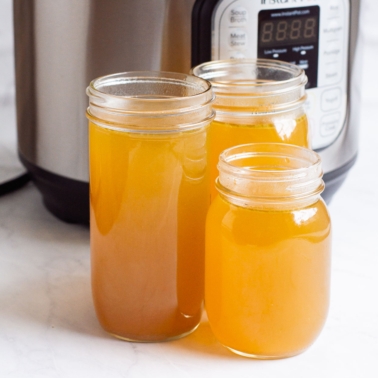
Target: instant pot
{"points": [[61, 45]]}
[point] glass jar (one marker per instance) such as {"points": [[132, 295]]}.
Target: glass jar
{"points": [[149, 194], [268, 244], [257, 100]]}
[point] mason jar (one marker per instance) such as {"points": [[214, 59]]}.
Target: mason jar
{"points": [[257, 100], [268, 246], [149, 194]]}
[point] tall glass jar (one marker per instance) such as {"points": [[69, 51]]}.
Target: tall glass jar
{"points": [[257, 100], [149, 194], [268, 244]]}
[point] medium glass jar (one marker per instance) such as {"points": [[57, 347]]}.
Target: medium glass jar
{"points": [[257, 100], [149, 194], [268, 245]]}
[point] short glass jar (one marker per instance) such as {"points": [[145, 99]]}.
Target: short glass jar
{"points": [[268, 246], [149, 194], [257, 100]]}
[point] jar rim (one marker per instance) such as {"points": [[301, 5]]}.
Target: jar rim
{"points": [[96, 88], [270, 173], [155, 101], [307, 156], [214, 70], [254, 85]]}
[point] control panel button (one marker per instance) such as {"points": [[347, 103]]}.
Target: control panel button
{"points": [[238, 16], [329, 124], [333, 28], [238, 39], [334, 7], [237, 55], [275, 53], [332, 73], [332, 51], [331, 99], [303, 64]]}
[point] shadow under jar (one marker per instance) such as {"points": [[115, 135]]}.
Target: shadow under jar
{"points": [[149, 194], [257, 100], [268, 246]]}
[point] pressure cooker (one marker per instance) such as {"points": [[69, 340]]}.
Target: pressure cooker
{"points": [[61, 45]]}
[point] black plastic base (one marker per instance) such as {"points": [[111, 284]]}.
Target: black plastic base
{"points": [[14, 184], [66, 198], [333, 180]]}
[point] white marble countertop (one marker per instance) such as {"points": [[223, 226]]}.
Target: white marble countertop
{"points": [[48, 326]]}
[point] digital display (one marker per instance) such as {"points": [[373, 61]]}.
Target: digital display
{"points": [[288, 31], [291, 35]]}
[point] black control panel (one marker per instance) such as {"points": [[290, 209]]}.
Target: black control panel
{"points": [[292, 35]]}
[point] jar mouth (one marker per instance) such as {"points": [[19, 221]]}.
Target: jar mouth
{"points": [[149, 99], [250, 75], [254, 84], [270, 173]]}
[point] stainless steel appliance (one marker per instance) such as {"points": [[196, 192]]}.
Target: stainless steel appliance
{"points": [[61, 45]]}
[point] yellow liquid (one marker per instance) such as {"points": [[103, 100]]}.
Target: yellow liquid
{"points": [[148, 200], [225, 135], [267, 277]]}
